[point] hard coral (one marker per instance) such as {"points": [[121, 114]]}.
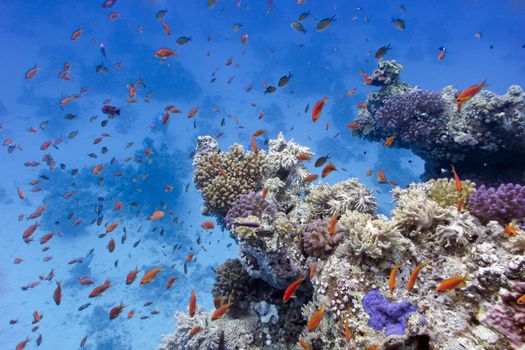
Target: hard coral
{"points": [[282, 156], [223, 177], [317, 240], [231, 280], [249, 204], [503, 204], [384, 314], [444, 192]]}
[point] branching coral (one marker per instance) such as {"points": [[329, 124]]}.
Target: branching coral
{"points": [[223, 177], [250, 204], [503, 204], [371, 237], [326, 200], [443, 191], [317, 240]]}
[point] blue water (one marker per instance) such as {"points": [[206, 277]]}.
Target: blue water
{"points": [[323, 64]]}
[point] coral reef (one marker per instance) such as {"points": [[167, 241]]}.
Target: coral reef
{"points": [[484, 138], [357, 265]]}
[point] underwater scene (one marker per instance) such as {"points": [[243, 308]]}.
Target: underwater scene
{"points": [[262, 174]]}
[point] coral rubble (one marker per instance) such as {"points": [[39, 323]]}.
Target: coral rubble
{"points": [[354, 267]]}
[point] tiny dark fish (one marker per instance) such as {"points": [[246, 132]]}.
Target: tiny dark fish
{"points": [[382, 52], [161, 14], [223, 123], [306, 108], [320, 162], [102, 235], [270, 89], [123, 238], [93, 118], [136, 244], [74, 172], [104, 150], [298, 27], [70, 116], [110, 110], [44, 125], [44, 177], [285, 79], [399, 23], [248, 224], [104, 123], [116, 263], [103, 50], [324, 23], [183, 40], [83, 307], [92, 155], [73, 134], [304, 16]]}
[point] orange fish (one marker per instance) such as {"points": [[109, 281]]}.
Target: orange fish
{"points": [[98, 169], [149, 276], [193, 303], [130, 278], [351, 92], [164, 53], [302, 156], [115, 312], [365, 76], [170, 282], [413, 276], [352, 126], [112, 227], [85, 282], [389, 141], [22, 344], [57, 295], [392, 279], [318, 108], [470, 92], [264, 192], [450, 283], [258, 132], [218, 313], [327, 170], [459, 186], [193, 112], [521, 300], [189, 257], [118, 205], [362, 105], [510, 231], [304, 344], [130, 314], [313, 270], [156, 215], [347, 332], [254, 145], [381, 178], [315, 320], [289, 292], [77, 33], [166, 28], [99, 289], [331, 227], [311, 177], [195, 330], [31, 72], [208, 225]]}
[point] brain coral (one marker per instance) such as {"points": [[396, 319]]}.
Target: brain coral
{"points": [[326, 200], [317, 240], [443, 191], [503, 204], [371, 236], [223, 177]]}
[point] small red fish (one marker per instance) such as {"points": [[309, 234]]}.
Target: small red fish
{"points": [[318, 108], [77, 33], [450, 283], [149, 276], [170, 282], [457, 181], [314, 321], [254, 145], [389, 141], [193, 303], [289, 292], [381, 178], [193, 112], [208, 225], [115, 311], [164, 53], [352, 126], [413, 276], [311, 177], [195, 330], [218, 313], [327, 170], [313, 270], [258, 132], [264, 192], [365, 76], [21, 193], [57, 295], [166, 28], [99, 289], [470, 92], [442, 53]]}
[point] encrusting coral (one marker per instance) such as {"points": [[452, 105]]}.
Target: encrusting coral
{"points": [[356, 264]]}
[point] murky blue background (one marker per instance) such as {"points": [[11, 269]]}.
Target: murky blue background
{"points": [[323, 64]]}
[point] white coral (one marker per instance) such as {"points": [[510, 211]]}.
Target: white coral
{"points": [[373, 237], [282, 155], [460, 228]]}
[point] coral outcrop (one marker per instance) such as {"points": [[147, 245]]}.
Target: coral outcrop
{"points": [[355, 264], [484, 138]]}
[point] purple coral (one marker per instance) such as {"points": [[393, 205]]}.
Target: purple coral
{"points": [[317, 240], [383, 313], [250, 204], [509, 318], [413, 117], [502, 204]]}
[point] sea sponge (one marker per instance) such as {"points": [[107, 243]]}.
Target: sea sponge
{"points": [[250, 204], [223, 177], [317, 240], [326, 200], [443, 191], [371, 236], [232, 280], [503, 204]]}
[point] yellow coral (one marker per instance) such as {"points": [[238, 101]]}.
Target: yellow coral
{"points": [[443, 191], [283, 226]]}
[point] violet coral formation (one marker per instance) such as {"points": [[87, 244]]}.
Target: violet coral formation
{"points": [[386, 315], [503, 204], [317, 240], [483, 138], [357, 269]]}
